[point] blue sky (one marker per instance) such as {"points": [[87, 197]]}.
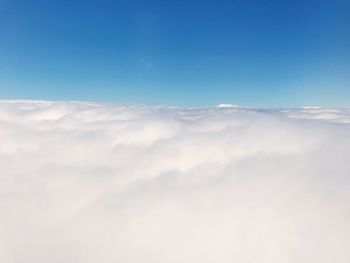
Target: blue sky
{"points": [[263, 53]]}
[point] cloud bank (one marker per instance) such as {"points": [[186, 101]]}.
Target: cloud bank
{"points": [[85, 182]]}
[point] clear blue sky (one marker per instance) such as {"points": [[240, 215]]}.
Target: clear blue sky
{"points": [[266, 53]]}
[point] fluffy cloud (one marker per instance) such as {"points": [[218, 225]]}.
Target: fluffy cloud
{"points": [[85, 182]]}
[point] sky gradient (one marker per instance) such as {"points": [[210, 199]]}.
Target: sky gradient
{"points": [[252, 53]]}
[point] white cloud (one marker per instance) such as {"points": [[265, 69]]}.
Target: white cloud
{"points": [[226, 105], [86, 182]]}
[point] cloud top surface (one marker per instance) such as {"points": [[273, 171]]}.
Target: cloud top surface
{"points": [[89, 182]]}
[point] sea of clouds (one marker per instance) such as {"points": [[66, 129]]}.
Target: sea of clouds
{"points": [[86, 182]]}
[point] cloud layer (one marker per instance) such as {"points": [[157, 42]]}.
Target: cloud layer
{"points": [[85, 182]]}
